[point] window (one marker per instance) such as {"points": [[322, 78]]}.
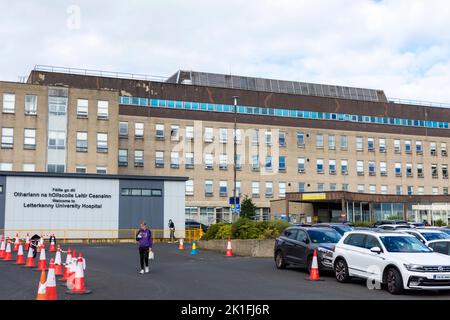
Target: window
{"points": [[333, 187], [255, 189], [255, 163], [409, 170], [420, 170], [383, 169], [174, 160], [434, 171], [102, 142], [435, 191], [82, 108], [56, 168], [420, 191], [372, 189], [282, 139], [319, 141], [301, 187], [344, 167], [345, 187], [189, 160], [359, 144], [29, 167], [320, 187], [189, 188], [397, 146], [371, 144], [398, 169], [238, 162], [4, 166], [433, 151], [410, 190], [82, 143], [319, 165], [300, 139], [268, 164], [209, 161], [29, 139], [399, 190], [102, 109], [189, 133], [209, 135], [419, 149], [301, 165], [344, 143], [382, 143], [208, 188], [159, 159], [30, 104], [360, 188], [223, 189], [444, 149], [445, 171], [282, 189], [9, 102], [223, 135], [139, 130], [255, 137], [7, 138], [372, 168], [360, 168], [138, 158], [175, 133], [331, 142], [123, 157], [223, 161], [445, 191], [408, 146], [159, 134], [384, 189], [332, 166], [102, 170], [282, 164], [57, 140], [238, 188], [123, 129], [269, 189], [268, 135], [80, 169], [238, 135]]}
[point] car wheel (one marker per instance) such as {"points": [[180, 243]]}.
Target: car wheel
{"points": [[394, 281], [341, 271], [279, 260]]}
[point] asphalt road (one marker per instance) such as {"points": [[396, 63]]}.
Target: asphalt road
{"points": [[112, 273]]}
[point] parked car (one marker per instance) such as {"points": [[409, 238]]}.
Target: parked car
{"points": [[382, 222], [394, 226], [339, 227], [396, 259], [296, 247], [446, 230], [416, 224], [440, 246], [426, 234], [192, 224]]}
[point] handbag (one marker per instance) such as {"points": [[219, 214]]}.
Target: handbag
{"points": [[151, 255]]}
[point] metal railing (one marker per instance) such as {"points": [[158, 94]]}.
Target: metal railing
{"points": [[420, 103], [64, 235], [100, 73]]}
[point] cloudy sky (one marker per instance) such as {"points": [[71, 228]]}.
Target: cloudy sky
{"points": [[401, 46]]}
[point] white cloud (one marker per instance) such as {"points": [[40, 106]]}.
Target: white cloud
{"points": [[401, 46]]}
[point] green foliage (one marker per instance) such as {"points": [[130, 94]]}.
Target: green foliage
{"points": [[224, 232], [248, 208], [440, 223], [395, 218], [245, 228], [364, 224], [212, 231]]}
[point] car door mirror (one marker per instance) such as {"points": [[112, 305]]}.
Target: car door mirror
{"points": [[306, 240], [376, 250]]}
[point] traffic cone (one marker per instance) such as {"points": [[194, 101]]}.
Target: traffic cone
{"points": [[30, 259], [314, 274], [194, 247], [66, 265], [16, 243], [58, 263], [52, 246], [41, 295], [2, 248], [20, 259], [42, 264], [181, 245], [229, 250], [8, 254], [79, 286], [27, 242], [72, 271], [50, 289]]}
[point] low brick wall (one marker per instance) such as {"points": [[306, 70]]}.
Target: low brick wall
{"points": [[247, 248]]}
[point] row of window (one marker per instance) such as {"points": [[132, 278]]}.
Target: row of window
{"points": [[141, 192], [29, 138], [279, 112], [31, 167], [224, 192]]}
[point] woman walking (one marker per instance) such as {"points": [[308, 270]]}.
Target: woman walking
{"points": [[144, 236]]}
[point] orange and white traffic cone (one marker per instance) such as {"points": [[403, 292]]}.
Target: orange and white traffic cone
{"points": [[30, 259], [66, 273], [41, 295], [314, 274], [8, 254], [181, 245], [229, 250], [50, 289], [2, 248], [72, 270], [42, 264], [79, 285], [58, 262], [52, 246], [20, 259], [16, 243], [27, 242]]}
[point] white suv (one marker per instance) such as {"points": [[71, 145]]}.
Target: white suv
{"points": [[396, 259]]}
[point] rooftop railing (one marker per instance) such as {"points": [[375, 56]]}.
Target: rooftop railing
{"points": [[420, 103]]}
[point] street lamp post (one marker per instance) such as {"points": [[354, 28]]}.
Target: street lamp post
{"points": [[235, 98]]}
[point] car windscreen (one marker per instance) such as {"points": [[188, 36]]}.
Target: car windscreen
{"points": [[447, 231], [342, 229], [324, 236], [429, 236], [403, 244]]}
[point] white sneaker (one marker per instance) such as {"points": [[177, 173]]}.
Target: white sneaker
{"points": [[147, 269], [142, 271]]}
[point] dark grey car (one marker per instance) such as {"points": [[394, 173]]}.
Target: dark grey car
{"points": [[296, 247]]}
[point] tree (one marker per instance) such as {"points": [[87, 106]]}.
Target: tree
{"points": [[248, 208]]}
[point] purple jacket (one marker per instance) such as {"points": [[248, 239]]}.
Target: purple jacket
{"points": [[144, 236]]}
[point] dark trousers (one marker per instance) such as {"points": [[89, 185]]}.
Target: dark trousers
{"points": [[143, 254], [172, 235]]}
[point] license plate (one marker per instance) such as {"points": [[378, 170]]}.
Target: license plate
{"points": [[442, 276]]}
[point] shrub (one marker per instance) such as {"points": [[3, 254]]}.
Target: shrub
{"points": [[362, 224], [394, 218], [224, 232], [440, 223], [245, 228], [212, 231]]}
